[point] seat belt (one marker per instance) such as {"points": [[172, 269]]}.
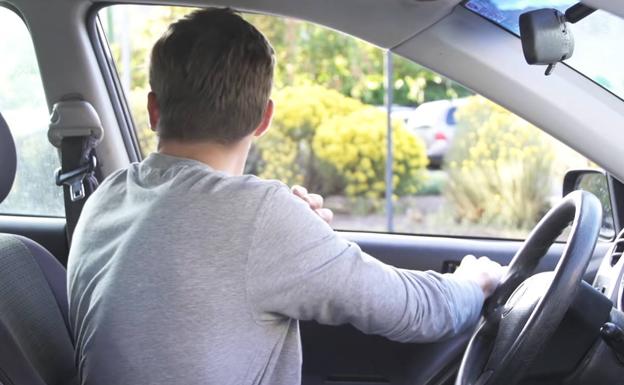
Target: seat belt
{"points": [[75, 129]]}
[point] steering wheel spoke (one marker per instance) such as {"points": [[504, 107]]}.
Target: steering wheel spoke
{"points": [[480, 348]]}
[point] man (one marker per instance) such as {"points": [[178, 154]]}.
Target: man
{"points": [[184, 271]]}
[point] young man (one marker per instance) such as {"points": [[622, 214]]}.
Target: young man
{"points": [[185, 271]]}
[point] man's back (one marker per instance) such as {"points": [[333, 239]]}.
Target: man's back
{"points": [[162, 292]]}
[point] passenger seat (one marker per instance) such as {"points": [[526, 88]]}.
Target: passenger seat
{"points": [[35, 344]]}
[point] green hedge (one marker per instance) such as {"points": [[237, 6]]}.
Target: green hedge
{"points": [[335, 145], [500, 167]]}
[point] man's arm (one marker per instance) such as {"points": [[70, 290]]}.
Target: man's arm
{"points": [[300, 268]]}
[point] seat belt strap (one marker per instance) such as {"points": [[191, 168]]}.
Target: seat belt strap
{"points": [[75, 128], [77, 176]]}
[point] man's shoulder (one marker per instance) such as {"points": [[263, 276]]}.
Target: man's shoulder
{"points": [[257, 183], [189, 182], [251, 186], [199, 180]]}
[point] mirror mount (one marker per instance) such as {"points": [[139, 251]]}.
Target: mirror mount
{"points": [[578, 12], [546, 37]]}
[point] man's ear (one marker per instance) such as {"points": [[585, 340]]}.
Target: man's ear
{"points": [[153, 110], [266, 120]]}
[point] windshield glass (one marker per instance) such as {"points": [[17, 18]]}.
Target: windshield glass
{"points": [[597, 38]]}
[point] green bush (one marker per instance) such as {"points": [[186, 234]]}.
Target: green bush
{"points": [[286, 152], [354, 146], [500, 167], [334, 144]]}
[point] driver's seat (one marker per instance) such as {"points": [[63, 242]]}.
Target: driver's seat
{"points": [[35, 343]]}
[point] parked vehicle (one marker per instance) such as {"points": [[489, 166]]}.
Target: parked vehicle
{"points": [[435, 123]]}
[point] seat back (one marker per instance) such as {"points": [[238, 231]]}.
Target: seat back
{"points": [[31, 319], [35, 344]]}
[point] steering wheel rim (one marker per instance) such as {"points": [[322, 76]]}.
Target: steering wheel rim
{"points": [[513, 329]]}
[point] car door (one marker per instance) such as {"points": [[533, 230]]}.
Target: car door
{"points": [[34, 206], [499, 177], [343, 355]]}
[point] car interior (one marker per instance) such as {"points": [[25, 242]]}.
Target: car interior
{"points": [[555, 319]]}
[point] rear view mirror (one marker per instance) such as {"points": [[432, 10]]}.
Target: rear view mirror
{"points": [[546, 38], [595, 182]]}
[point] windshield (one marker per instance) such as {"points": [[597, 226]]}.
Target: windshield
{"points": [[597, 38]]}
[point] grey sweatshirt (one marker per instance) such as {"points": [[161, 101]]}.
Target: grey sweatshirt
{"points": [[180, 274]]}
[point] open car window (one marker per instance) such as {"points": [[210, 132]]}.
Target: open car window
{"points": [[463, 166]]}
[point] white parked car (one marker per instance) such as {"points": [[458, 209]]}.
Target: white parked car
{"points": [[435, 123]]}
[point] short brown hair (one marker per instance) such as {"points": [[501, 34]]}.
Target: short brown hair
{"points": [[212, 74]]}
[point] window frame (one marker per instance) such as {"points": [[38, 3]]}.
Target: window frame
{"points": [[109, 72]]}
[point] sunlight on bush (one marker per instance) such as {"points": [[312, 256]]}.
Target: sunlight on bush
{"points": [[355, 146], [285, 152], [500, 168]]}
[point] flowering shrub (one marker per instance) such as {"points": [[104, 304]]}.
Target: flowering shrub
{"points": [[286, 152], [354, 146], [500, 167]]}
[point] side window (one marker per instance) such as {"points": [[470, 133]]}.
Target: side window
{"points": [[462, 165], [23, 106]]}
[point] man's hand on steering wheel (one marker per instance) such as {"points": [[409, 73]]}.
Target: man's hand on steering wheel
{"points": [[484, 271]]}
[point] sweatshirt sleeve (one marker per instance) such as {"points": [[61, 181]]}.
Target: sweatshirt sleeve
{"points": [[300, 268]]}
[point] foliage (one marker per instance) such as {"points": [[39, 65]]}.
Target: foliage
{"points": [[500, 167], [355, 146], [335, 145], [305, 52], [309, 53], [434, 184], [286, 152], [148, 139], [125, 23]]}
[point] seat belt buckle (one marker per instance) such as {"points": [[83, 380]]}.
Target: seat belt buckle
{"points": [[74, 179]]}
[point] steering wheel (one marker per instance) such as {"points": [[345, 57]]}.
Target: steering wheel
{"points": [[525, 310]]}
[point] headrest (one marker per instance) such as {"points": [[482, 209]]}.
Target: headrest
{"points": [[8, 159]]}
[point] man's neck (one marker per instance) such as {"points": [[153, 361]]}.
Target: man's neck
{"points": [[227, 158]]}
